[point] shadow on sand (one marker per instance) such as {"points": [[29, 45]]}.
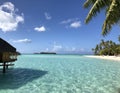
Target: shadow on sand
{"points": [[18, 77]]}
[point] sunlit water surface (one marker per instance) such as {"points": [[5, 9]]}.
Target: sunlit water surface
{"points": [[61, 74]]}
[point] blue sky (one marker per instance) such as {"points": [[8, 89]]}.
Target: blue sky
{"points": [[51, 25]]}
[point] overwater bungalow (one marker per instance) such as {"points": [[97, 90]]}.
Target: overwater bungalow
{"points": [[8, 54]]}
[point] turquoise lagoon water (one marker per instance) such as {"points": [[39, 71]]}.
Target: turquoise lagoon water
{"points": [[61, 74]]}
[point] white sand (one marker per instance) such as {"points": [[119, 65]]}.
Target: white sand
{"points": [[116, 58]]}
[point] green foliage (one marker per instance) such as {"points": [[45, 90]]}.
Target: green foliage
{"points": [[119, 38], [112, 12], [107, 48], [118, 50]]}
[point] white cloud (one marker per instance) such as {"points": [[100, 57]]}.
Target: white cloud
{"points": [[69, 20], [47, 16], [82, 49], [66, 21], [56, 47], [75, 24], [73, 49], [40, 29], [59, 48], [22, 41], [47, 49], [9, 20]]}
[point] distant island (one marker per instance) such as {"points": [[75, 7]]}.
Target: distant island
{"points": [[46, 53]]}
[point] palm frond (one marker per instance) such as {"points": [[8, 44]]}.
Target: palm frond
{"points": [[89, 3], [98, 5], [112, 17]]}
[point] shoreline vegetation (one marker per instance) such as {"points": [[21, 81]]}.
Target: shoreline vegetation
{"points": [[107, 48], [115, 58]]}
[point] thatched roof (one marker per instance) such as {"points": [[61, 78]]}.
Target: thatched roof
{"points": [[6, 47]]}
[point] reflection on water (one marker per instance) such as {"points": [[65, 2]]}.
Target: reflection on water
{"points": [[15, 78]]}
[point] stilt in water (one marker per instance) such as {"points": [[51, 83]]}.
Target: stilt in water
{"points": [[7, 66], [4, 67]]}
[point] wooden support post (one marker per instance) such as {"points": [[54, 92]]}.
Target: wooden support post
{"points": [[4, 67]]}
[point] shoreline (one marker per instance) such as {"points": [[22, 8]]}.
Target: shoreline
{"points": [[114, 58]]}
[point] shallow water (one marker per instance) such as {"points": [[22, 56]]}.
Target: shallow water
{"points": [[61, 74]]}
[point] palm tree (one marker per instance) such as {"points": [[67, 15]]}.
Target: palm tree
{"points": [[112, 12], [102, 43], [119, 38], [96, 50]]}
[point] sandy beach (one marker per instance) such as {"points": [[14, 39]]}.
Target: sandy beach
{"points": [[116, 58]]}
